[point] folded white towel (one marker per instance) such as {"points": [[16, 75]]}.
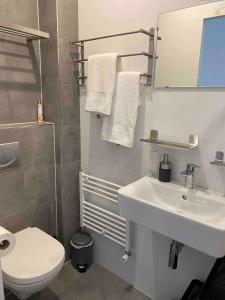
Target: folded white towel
{"points": [[119, 127], [101, 82]]}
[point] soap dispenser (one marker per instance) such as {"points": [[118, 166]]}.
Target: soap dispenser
{"points": [[165, 169]]}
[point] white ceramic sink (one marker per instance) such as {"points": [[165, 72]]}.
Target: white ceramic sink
{"points": [[198, 221]]}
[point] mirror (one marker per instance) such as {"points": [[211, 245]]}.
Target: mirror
{"points": [[191, 52]]}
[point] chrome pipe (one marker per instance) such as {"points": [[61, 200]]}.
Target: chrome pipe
{"points": [[175, 249], [81, 61], [141, 75], [112, 35]]}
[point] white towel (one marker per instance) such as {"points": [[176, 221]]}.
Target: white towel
{"points": [[119, 127], [101, 82]]}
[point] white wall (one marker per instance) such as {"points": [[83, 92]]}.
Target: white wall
{"points": [[175, 113]]}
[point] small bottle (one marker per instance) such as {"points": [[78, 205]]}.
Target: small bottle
{"points": [[40, 116], [165, 169]]}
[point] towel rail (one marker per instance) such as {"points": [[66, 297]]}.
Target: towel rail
{"points": [[121, 239], [81, 77], [88, 177], [98, 230], [141, 75], [102, 186], [122, 220], [100, 190], [105, 216], [119, 233], [98, 194], [123, 55], [97, 217], [79, 43]]}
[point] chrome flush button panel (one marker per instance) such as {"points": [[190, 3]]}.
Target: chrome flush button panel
{"points": [[9, 155]]}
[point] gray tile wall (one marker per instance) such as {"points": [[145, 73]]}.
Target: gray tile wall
{"points": [[28, 191], [19, 65], [61, 98], [70, 118]]}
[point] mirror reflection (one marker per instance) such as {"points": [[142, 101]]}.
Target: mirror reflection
{"points": [[191, 52]]}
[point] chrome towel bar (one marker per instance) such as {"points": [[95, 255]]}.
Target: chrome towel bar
{"points": [[79, 43], [151, 54], [123, 55]]}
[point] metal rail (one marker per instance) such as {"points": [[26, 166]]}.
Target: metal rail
{"points": [[141, 75], [151, 34], [123, 55], [79, 43]]}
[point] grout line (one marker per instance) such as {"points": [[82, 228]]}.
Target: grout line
{"points": [[56, 193]]}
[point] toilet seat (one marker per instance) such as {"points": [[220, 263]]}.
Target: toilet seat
{"points": [[36, 257]]}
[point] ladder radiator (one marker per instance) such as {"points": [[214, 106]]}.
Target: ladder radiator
{"points": [[98, 217]]}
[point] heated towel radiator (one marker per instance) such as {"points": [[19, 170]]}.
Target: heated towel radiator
{"points": [[99, 211]]}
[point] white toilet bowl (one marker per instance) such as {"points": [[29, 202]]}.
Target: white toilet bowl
{"points": [[33, 264]]}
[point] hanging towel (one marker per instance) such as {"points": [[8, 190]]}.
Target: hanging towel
{"points": [[119, 127], [101, 82]]}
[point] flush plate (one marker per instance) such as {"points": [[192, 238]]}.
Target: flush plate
{"points": [[9, 155]]}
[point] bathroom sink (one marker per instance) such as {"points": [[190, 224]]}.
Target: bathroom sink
{"points": [[193, 217]]}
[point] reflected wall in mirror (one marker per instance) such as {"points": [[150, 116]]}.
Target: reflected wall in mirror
{"points": [[191, 52]]}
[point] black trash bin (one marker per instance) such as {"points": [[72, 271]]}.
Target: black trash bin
{"points": [[82, 251]]}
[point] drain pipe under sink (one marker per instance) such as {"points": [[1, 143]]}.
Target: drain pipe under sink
{"points": [[175, 249]]}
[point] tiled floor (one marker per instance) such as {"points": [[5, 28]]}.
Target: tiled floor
{"points": [[96, 284]]}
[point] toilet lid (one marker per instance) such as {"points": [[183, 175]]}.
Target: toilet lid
{"points": [[36, 256]]}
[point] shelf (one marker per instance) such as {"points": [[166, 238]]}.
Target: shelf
{"points": [[192, 144], [218, 163], [22, 31]]}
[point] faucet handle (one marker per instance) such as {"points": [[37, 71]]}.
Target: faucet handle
{"points": [[190, 169], [191, 166]]}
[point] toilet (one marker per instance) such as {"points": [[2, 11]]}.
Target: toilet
{"points": [[33, 264]]}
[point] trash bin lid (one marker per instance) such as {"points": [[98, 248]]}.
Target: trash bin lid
{"points": [[81, 239]]}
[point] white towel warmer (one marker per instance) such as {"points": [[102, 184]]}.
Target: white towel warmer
{"points": [[99, 208]]}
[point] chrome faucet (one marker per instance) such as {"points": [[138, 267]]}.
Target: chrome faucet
{"points": [[189, 175]]}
